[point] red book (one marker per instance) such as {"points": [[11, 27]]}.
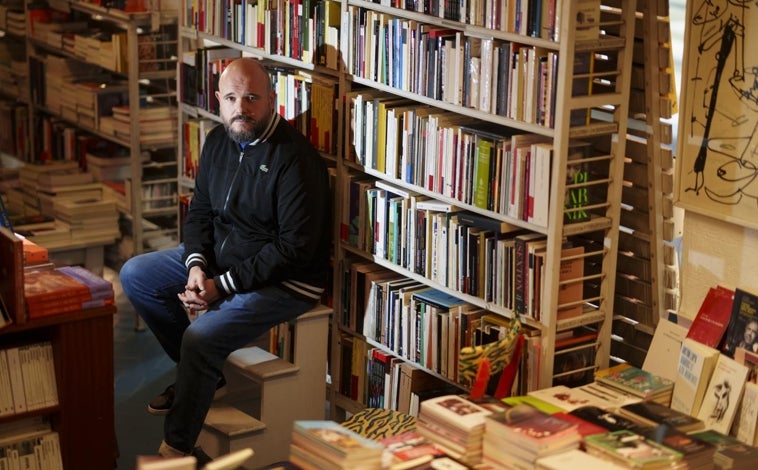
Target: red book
{"points": [[712, 318]]}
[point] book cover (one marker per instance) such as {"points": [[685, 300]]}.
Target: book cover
{"points": [[747, 418], [409, 450], [750, 360], [570, 288], [692, 449], [456, 411], [568, 399], [534, 429], [742, 331], [41, 286], [634, 380], [631, 449], [654, 413], [662, 356], [696, 364], [607, 419], [336, 439], [722, 397], [574, 459], [712, 319]]}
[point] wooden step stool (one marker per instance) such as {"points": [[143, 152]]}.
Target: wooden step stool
{"points": [[265, 394]]}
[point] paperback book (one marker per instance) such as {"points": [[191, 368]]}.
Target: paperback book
{"points": [[631, 449], [636, 381]]}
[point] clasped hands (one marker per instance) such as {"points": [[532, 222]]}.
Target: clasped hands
{"points": [[199, 291]]}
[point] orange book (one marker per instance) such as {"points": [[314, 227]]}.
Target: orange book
{"points": [[34, 253], [47, 285]]}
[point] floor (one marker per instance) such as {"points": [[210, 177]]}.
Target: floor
{"points": [[142, 371]]}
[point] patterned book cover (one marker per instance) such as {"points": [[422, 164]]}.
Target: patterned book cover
{"points": [[634, 380]]}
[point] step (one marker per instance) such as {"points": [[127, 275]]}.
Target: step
{"points": [[231, 422], [260, 365]]}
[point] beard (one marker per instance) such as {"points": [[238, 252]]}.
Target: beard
{"points": [[247, 135]]}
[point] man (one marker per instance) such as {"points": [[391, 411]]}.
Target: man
{"points": [[255, 253]]}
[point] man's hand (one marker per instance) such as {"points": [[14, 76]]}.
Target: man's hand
{"points": [[199, 291]]}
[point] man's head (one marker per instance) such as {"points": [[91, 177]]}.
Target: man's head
{"points": [[246, 99], [751, 332]]}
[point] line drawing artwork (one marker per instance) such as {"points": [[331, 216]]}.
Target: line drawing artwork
{"points": [[718, 145]]}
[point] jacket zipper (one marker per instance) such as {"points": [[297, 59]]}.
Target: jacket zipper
{"points": [[228, 195]]}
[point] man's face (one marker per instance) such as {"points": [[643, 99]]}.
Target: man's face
{"points": [[246, 104], [751, 332]]}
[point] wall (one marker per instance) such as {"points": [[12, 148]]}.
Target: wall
{"points": [[715, 252]]}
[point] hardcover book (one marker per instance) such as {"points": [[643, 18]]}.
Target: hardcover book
{"points": [[712, 318]]}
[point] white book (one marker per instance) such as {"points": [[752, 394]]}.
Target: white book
{"points": [[663, 354], [540, 190], [456, 411], [6, 392], [748, 415], [696, 364], [723, 394], [567, 398], [17, 380]]}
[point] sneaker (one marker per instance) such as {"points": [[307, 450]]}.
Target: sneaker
{"points": [[161, 404]]}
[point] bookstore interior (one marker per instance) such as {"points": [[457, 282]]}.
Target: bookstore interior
{"points": [[526, 270]]}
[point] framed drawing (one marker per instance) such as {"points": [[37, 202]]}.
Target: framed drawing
{"points": [[717, 151]]}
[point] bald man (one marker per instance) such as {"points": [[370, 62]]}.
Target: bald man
{"points": [[255, 251]]}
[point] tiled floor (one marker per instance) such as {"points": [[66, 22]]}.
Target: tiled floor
{"points": [[142, 370]]}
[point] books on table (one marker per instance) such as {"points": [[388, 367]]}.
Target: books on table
{"points": [[631, 450], [327, 444], [638, 382], [654, 414]]}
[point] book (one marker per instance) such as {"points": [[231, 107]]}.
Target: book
{"points": [[653, 414], [636, 381], [534, 429], [747, 417], [631, 449], [742, 331], [607, 419], [712, 319], [573, 459], [334, 442], [696, 453], [568, 399], [722, 397], [408, 450], [696, 364], [662, 357], [750, 360]]}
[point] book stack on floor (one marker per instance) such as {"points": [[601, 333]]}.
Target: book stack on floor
{"points": [[318, 445], [63, 290], [516, 438], [455, 424]]}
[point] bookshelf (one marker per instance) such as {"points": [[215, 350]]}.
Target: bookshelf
{"points": [[578, 124], [90, 66], [81, 342]]}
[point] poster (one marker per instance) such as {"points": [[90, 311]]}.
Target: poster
{"points": [[717, 154]]}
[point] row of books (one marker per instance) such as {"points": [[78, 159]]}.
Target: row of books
{"points": [[29, 443], [461, 250], [27, 376], [303, 30], [477, 164], [498, 77]]}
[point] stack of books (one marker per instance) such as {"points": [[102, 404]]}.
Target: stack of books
{"points": [[516, 438], [63, 290], [635, 381], [631, 450], [455, 424], [91, 220], [321, 444], [696, 453]]}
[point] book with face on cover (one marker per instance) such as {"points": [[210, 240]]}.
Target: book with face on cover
{"points": [[742, 331]]}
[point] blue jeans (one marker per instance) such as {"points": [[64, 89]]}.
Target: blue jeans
{"points": [[151, 282]]}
